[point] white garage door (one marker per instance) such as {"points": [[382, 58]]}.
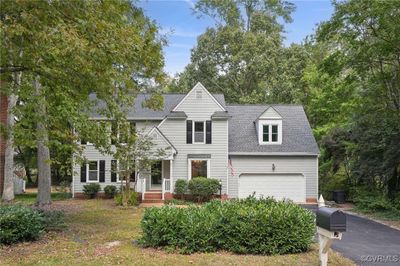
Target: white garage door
{"points": [[289, 186]]}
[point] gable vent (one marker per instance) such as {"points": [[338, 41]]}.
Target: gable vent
{"points": [[199, 94]]}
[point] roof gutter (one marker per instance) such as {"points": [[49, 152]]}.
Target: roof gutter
{"points": [[275, 153]]}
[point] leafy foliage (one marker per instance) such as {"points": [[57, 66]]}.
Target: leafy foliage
{"points": [[53, 220], [19, 223], [91, 190], [130, 199], [250, 226], [181, 187], [202, 188], [110, 191]]}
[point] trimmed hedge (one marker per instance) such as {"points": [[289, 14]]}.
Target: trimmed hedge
{"points": [[110, 191], [250, 226], [181, 187], [19, 223], [91, 190], [203, 188]]}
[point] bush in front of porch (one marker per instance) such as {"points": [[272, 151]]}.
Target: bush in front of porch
{"points": [[250, 226]]}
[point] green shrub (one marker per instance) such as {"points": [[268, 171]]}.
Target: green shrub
{"points": [[19, 223], [367, 200], [202, 188], [118, 199], [176, 202], [250, 226], [181, 187], [110, 191], [53, 220], [91, 190], [132, 199]]}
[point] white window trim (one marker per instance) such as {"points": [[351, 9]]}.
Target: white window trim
{"points": [[98, 172], [194, 131], [270, 123], [198, 159]]}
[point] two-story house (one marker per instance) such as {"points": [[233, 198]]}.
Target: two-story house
{"points": [[268, 150]]}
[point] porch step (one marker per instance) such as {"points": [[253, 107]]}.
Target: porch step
{"points": [[152, 201], [153, 196]]}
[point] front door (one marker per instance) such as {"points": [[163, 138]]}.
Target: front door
{"points": [[156, 175]]}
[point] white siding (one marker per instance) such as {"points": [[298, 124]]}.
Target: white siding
{"points": [[92, 154], [270, 113], [175, 131], [306, 165]]}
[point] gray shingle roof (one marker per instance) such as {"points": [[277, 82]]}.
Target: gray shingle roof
{"points": [[177, 115], [139, 112], [297, 136], [220, 115]]}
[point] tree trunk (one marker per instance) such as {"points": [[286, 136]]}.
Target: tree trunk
{"points": [[8, 190], [43, 152]]}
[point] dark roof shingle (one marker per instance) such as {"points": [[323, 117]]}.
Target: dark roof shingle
{"points": [[297, 136]]}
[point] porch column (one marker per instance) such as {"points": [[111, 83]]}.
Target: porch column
{"points": [[171, 176]]}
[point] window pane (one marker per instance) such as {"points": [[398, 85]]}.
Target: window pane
{"points": [[199, 168], [199, 126], [93, 175], [93, 165], [198, 131], [265, 133], [274, 133]]}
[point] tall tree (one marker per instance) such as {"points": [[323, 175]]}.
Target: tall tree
{"points": [[242, 55], [364, 38], [71, 50]]}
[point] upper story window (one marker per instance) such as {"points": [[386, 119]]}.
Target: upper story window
{"points": [[122, 133], [199, 132], [270, 131]]}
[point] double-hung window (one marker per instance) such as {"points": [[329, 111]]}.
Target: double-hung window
{"points": [[93, 171], [199, 132]]}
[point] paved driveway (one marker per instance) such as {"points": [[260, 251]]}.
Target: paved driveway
{"points": [[368, 243]]}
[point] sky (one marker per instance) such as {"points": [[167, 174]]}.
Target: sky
{"points": [[181, 26]]}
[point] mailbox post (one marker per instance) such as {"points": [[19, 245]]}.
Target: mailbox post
{"points": [[330, 225]]}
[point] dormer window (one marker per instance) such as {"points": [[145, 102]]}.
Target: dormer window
{"points": [[269, 131]]}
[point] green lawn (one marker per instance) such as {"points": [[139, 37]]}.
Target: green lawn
{"points": [[95, 225], [30, 197]]}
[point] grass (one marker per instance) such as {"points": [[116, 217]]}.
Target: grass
{"points": [[29, 198], [95, 225], [388, 217]]}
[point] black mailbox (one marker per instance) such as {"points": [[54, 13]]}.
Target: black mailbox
{"points": [[331, 219]]}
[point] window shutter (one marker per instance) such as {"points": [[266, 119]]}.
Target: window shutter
{"points": [[113, 170], [133, 176], [102, 173], [114, 133], [208, 131], [189, 133], [83, 173]]}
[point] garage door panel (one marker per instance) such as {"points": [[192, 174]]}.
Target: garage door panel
{"points": [[290, 186]]}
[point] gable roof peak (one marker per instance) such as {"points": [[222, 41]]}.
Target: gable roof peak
{"points": [[269, 113], [200, 86]]}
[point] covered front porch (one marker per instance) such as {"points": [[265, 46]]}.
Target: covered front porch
{"points": [[157, 185]]}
